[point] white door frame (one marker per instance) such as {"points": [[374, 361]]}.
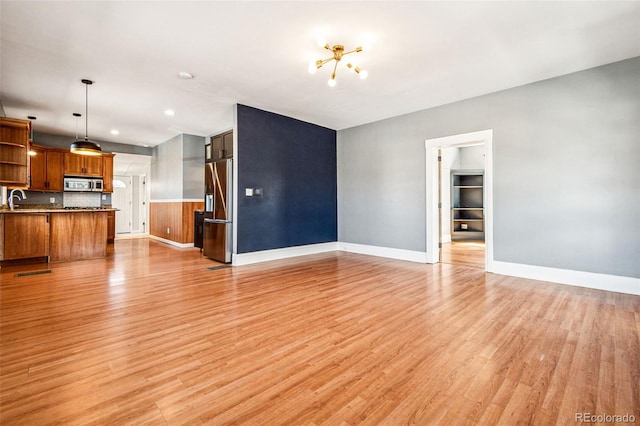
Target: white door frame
{"points": [[432, 232]]}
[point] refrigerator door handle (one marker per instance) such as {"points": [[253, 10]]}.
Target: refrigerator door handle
{"points": [[216, 220]]}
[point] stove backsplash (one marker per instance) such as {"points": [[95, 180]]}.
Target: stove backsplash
{"points": [[81, 199], [65, 199]]}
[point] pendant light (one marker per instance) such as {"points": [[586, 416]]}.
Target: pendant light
{"points": [[85, 146]]}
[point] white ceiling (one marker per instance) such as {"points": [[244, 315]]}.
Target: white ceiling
{"points": [[131, 164], [256, 53]]}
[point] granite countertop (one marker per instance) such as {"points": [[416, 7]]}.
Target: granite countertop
{"points": [[55, 208]]}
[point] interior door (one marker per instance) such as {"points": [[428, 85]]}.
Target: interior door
{"points": [[121, 200]]}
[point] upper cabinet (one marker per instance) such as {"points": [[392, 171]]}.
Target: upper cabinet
{"points": [[221, 147], [83, 165], [49, 165], [14, 144], [107, 172], [46, 169]]}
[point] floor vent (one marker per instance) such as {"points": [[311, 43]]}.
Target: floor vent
{"points": [[215, 268], [27, 274]]}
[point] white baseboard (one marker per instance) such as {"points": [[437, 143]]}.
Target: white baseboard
{"points": [[282, 253], [619, 284], [170, 242], [392, 253], [132, 236], [628, 285], [446, 238]]}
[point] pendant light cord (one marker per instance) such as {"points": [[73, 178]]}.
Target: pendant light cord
{"points": [[86, 112]]}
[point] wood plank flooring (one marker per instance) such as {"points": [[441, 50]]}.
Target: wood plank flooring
{"points": [[469, 253], [150, 335]]}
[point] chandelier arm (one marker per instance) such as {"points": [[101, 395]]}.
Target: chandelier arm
{"points": [[335, 67], [352, 51]]}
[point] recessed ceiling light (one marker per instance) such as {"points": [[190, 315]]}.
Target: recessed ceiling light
{"points": [[169, 112], [114, 132], [185, 75]]}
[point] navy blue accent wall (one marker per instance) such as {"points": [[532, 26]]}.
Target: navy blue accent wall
{"points": [[294, 162]]}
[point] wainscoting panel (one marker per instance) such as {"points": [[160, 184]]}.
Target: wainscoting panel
{"points": [[173, 219]]}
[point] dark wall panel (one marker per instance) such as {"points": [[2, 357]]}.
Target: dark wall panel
{"points": [[294, 162]]}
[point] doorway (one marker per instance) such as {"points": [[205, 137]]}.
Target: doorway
{"points": [[131, 194], [433, 229]]}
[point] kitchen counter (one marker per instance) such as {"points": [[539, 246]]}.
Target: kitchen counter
{"points": [[56, 210], [54, 234]]}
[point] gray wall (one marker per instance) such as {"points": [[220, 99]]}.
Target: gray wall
{"points": [[177, 167], [193, 166], [166, 169], [61, 141], [566, 175]]}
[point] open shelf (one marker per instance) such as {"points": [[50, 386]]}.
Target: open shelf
{"points": [[467, 205]]}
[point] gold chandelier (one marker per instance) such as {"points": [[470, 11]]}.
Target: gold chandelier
{"points": [[338, 54]]}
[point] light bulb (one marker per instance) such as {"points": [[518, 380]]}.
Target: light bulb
{"points": [[363, 74], [332, 82], [312, 67]]}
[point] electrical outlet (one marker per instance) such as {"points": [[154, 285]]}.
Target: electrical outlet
{"points": [[104, 197], [52, 200]]}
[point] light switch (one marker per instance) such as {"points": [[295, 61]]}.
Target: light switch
{"points": [[248, 192], [257, 192]]}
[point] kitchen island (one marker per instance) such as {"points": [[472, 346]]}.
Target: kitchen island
{"points": [[53, 235]]}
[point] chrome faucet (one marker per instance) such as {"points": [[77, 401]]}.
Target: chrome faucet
{"points": [[11, 195]]}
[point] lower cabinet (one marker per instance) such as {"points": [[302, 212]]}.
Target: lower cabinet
{"points": [[111, 226], [56, 236], [25, 236], [81, 235]]}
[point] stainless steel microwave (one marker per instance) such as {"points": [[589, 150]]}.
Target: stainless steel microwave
{"points": [[83, 184]]}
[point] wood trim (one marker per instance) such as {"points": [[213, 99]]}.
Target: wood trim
{"points": [[173, 220], [1, 237]]}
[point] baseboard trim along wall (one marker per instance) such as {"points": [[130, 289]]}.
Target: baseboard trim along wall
{"points": [[619, 284], [391, 253], [282, 253], [171, 242]]}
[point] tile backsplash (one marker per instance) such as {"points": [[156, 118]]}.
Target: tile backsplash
{"points": [[81, 199]]}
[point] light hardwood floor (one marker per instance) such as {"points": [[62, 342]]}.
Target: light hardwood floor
{"points": [[150, 335], [469, 253]]}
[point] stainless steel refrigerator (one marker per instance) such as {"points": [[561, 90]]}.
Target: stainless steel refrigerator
{"points": [[217, 240]]}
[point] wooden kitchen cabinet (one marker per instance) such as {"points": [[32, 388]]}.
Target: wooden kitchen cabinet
{"points": [[221, 146], [14, 144], [111, 226], [46, 169], [78, 235], [107, 172], [26, 235], [82, 165]]}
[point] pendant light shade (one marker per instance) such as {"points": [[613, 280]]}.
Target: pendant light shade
{"points": [[86, 146]]}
